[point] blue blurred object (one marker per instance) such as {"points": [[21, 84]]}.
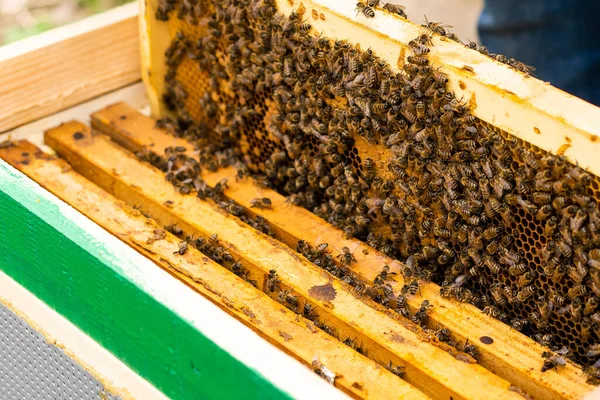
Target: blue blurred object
{"points": [[560, 38]]}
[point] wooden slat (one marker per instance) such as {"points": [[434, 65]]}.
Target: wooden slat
{"points": [[66, 66], [381, 333], [512, 355], [358, 375], [526, 107]]}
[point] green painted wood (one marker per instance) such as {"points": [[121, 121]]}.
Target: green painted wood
{"points": [[47, 247]]}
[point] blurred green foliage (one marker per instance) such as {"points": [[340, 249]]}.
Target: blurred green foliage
{"points": [[11, 31]]}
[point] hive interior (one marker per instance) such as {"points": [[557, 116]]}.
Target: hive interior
{"points": [[393, 159]]}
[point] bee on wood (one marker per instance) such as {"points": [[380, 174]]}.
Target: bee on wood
{"points": [[395, 9], [395, 369], [420, 316], [365, 9], [552, 361], [183, 247], [519, 324], [346, 257], [174, 229], [261, 202], [272, 281], [285, 296], [410, 288]]}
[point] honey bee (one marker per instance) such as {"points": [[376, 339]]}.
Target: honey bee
{"points": [[552, 361], [518, 269], [498, 294], [591, 305], [519, 324], [395, 9], [365, 9], [261, 202], [577, 291], [346, 257], [395, 369], [285, 296], [526, 278], [183, 247], [174, 229], [525, 294], [410, 288], [272, 280]]}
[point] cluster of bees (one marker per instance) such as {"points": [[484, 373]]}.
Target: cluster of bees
{"points": [[504, 226]]}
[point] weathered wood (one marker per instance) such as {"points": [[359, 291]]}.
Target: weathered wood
{"points": [[512, 355], [134, 95], [65, 66], [134, 310], [358, 375], [382, 334], [521, 105]]}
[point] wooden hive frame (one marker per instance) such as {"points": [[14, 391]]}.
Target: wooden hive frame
{"points": [[509, 100], [518, 104]]}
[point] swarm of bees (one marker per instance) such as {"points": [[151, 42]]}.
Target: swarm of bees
{"points": [[497, 223]]}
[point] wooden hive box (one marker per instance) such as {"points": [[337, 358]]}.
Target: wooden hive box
{"points": [[152, 319]]}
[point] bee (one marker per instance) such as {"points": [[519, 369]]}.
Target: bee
{"points": [[552, 361], [272, 280], [591, 305], [183, 247], [346, 257], [174, 229], [593, 351], [305, 27], [564, 248], [525, 294], [586, 328], [285, 296], [410, 288], [550, 226], [544, 212], [526, 278], [492, 232], [395, 9], [518, 269], [519, 324], [420, 316], [365, 9], [577, 291], [261, 202], [498, 294], [493, 266], [492, 311], [395, 369]]}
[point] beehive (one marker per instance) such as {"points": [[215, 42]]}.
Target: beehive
{"points": [[359, 181], [228, 92]]}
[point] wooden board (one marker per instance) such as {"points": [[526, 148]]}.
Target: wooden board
{"points": [[523, 106], [358, 375], [512, 356], [149, 320], [382, 334], [68, 65]]}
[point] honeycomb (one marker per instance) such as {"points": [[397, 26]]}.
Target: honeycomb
{"points": [[392, 158]]}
